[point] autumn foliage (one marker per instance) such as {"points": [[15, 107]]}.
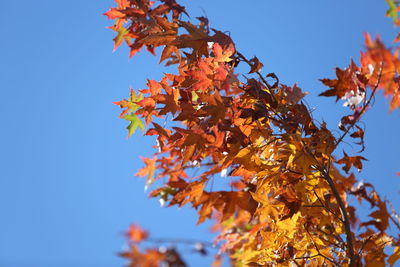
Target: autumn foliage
{"points": [[288, 200]]}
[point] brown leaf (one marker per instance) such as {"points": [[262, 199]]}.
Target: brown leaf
{"points": [[351, 161], [157, 39], [255, 65]]}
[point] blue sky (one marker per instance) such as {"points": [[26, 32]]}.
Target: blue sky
{"points": [[67, 191]]}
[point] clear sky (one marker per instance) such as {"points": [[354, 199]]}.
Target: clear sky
{"points": [[67, 191]]}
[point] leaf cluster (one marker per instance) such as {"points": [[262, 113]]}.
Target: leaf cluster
{"points": [[286, 202]]}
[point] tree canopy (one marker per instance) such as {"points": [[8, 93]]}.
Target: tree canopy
{"points": [[288, 203]]}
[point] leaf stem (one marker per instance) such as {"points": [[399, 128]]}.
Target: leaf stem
{"points": [[345, 218]]}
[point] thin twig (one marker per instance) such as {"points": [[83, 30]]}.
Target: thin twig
{"points": [[307, 257], [257, 72], [363, 245], [358, 116], [317, 248], [327, 208], [342, 207], [337, 237]]}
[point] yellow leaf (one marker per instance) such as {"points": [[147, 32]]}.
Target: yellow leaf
{"points": [[243, 153], [395, 256], [289, 225]]}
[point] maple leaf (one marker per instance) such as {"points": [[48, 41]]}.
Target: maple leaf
{"points": [[122, 34], [208, 201], [114, 13], [148, 258], [380, 216], [161, 131], [170, 101], [167, 52], [196, 39], [289, 198], [157, 39], [136, 234], [135, 122], [235, 200], [202, 76], [154, 88], [392, 11], [122, 4], [223, 55], [219, 37], [127, 105], [255, 89], [348, 80], [165, 24], [383, 66], [133, 12], [395, 256], [351, 161], [288, 201], [256, 65], [191, 193], [147, 102], [195, 32], [294, 94], [148, 170]]}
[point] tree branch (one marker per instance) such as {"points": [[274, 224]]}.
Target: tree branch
{"points": [[364, 108], [346, 221], [317, 248], [258, 73]]}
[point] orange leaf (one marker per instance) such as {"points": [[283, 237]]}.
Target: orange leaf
{"points": [[154, 87], [223, 55], [348, 80], [148, 170], [395, 256], [147, 102], [167, 52], [157, 39], [136, 234], [188, 153], [114, 13]]}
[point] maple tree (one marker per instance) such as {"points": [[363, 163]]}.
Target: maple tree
{"points": [[288, 201]]}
